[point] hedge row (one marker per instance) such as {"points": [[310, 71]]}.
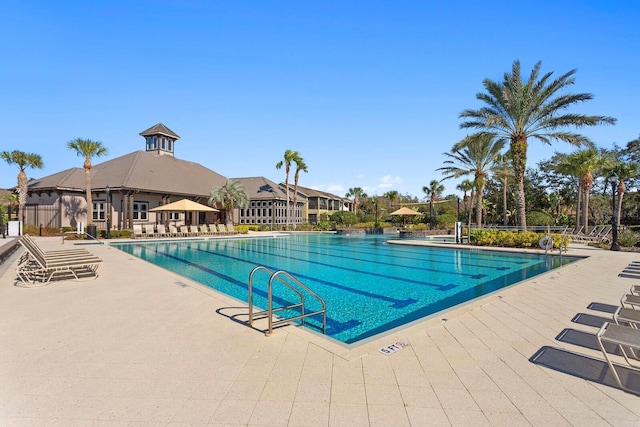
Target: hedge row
{"points": [[512, 239]]}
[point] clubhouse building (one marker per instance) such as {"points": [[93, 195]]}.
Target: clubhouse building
{"points": [[125, 189]]}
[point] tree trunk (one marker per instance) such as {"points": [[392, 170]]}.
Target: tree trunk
{"points": [[621, 190], [22, 193], [473, 195], [585, 210], [519, 153], [286, 214], [578, 207], [295, 198], [87, 182], [479, 208], [504, 202], [587, 181]]}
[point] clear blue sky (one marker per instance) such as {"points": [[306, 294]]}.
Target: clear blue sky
{"points": [[368, 92]]}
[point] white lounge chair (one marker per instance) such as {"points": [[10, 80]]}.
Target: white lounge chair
{"points": [[627, 339], [222, 229], [173, 231], [137, 231], [38, 268], [148, 231], [184, 231]]}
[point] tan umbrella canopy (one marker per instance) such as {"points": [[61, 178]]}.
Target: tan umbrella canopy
{"points": [[404, 212], [185, 205]]}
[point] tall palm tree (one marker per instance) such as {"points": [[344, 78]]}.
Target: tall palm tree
{"points": [[517, 110], [357, 193], [289, 156], [300, 166], [466, 186], [475, 155], [567, 165], [625, 172], [433, 191], [87, 148], [22, 160], [503, 170], [230, 194]]}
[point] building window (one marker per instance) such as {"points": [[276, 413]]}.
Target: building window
{"points": [[140, 211], [98, 210], [170, 145], [174, 216]]}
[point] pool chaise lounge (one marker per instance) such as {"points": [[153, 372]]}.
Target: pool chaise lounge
{"points": [[37, 267], [627, 339]]}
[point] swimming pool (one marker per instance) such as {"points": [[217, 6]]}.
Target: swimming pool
{"points": [[369, 286]]}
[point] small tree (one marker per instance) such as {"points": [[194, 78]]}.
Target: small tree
{"points": [[230, 193], [22, 160], [87, 148]]}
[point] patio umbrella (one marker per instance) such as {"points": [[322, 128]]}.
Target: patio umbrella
{"points": [[404, 212], [184, 205]]}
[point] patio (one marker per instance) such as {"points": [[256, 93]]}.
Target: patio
{"points": [[145, 347]]}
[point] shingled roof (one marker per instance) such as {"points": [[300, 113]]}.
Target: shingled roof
{"points": [[260, 188], [159, 129], [140, 170]]}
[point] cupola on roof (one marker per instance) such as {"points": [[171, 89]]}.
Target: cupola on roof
{"points": [[160, 139]]}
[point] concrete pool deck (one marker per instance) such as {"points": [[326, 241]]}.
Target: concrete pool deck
{"points": [[141, 346]]}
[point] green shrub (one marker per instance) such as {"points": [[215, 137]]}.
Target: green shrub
{"points": [[446, 220], [343, 218], [539, 218], [243, 228], [628, 238], [512, 239], [420, 226]]}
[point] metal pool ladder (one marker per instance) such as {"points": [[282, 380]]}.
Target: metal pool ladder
{"points": [[286, 279]]}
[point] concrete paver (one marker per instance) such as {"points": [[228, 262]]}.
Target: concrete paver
{"points": [[143, 346]]}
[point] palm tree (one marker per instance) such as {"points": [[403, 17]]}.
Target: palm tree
{"points": [[230, 193], [87, 148], [393, 196], [433, 191], [503, 170], [625, 172], [465, 186], [300, 166], [583, 164], [517, 110], [475, 155], [357, 193], [22, 160], [289, 156]]}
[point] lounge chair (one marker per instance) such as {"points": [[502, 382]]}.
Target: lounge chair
{"points": [[222, 229], [630, 301], [230, 229], [628, 340], [184, 231], [148, 231], [173, 231], [137, 231], [39, 267], [162, 231], [204, 231]]}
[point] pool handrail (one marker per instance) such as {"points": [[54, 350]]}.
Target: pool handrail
{"points": [[270, 310]]}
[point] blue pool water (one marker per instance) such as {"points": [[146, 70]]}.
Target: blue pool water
{"points": [[369, 286]]}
